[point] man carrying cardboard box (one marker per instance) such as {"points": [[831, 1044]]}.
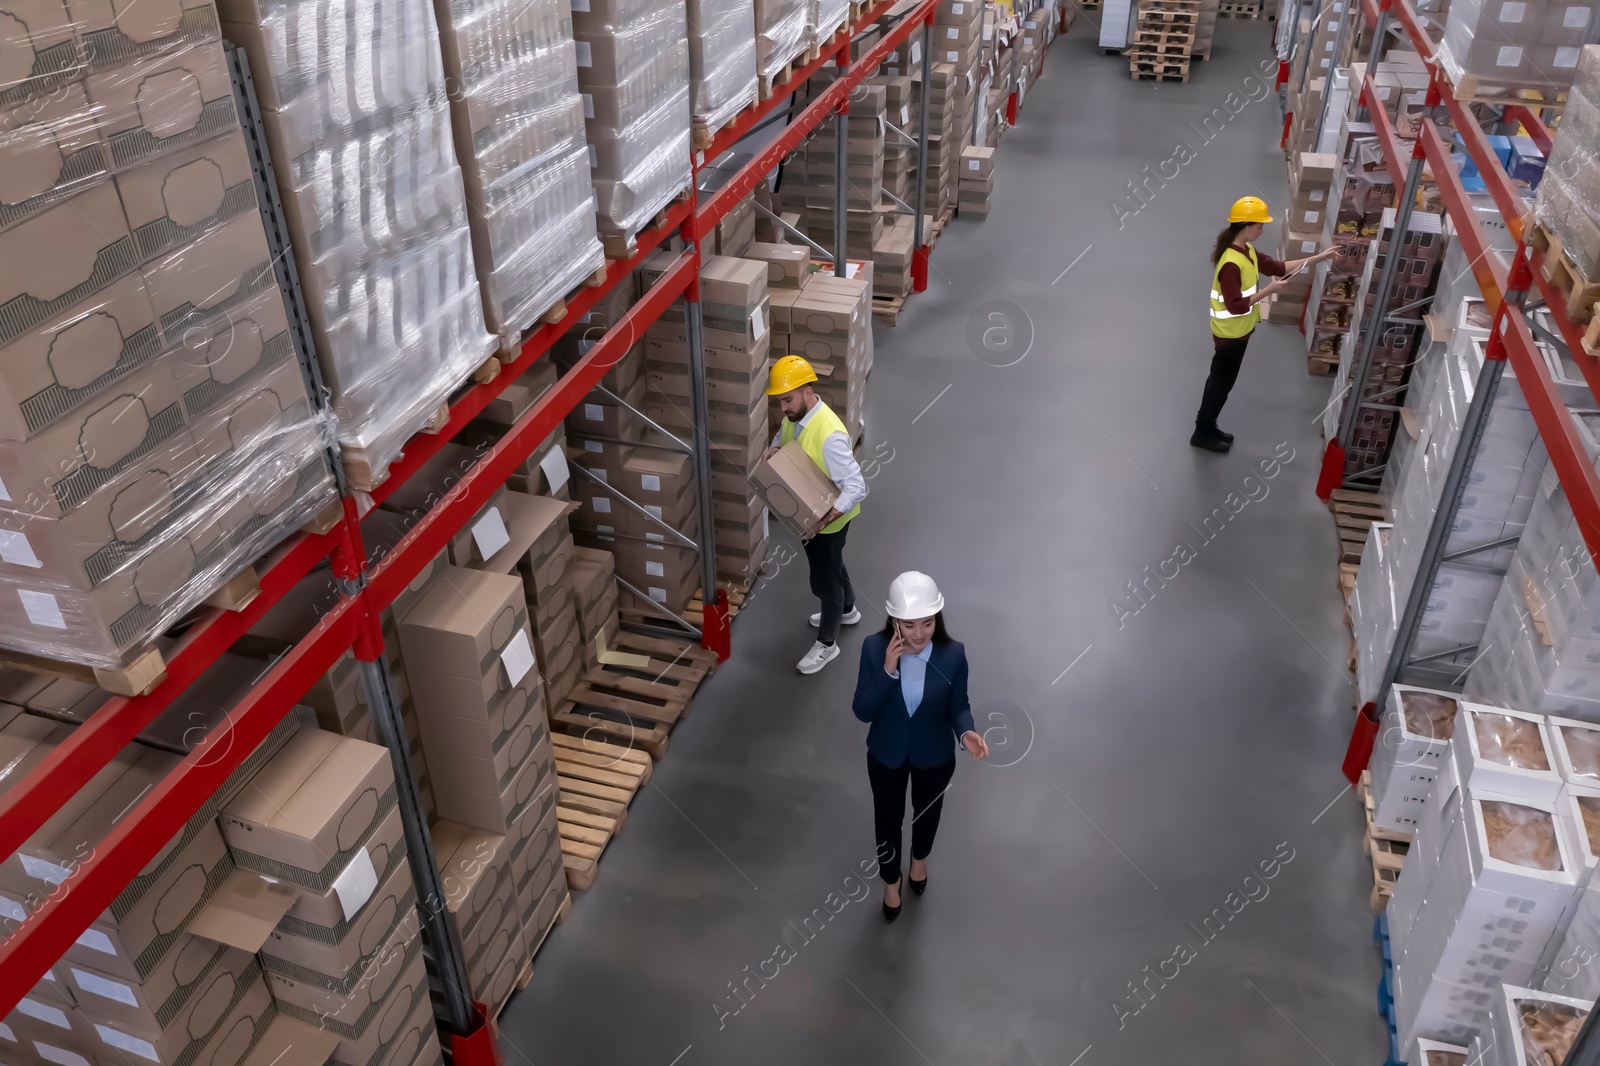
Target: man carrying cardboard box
{"points": [[822, 435]]}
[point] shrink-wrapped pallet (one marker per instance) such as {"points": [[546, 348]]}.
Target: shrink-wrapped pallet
{"points": [[1492, 45], [722, 61], [1569, 193]]}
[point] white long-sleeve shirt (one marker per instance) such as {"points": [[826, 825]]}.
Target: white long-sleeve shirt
{"points": [[842, 468]]}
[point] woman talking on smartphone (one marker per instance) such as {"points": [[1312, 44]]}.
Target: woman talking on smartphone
{"points": [[912, 691]]}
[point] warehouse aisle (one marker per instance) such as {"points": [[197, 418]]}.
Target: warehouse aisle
{"points": [[1159, 862]]}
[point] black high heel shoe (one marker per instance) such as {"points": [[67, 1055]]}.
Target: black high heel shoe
{"points": [[919, 887], [891, 913]]}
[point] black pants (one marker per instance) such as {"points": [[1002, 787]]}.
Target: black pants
{"points": [[830, 582], [1224, 372], [889, 809]]}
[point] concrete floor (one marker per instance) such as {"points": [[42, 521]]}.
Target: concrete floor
{"points": [[1146, 762]]}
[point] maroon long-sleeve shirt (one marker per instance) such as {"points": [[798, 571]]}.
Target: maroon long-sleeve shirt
{"points": [[1228, 283]]}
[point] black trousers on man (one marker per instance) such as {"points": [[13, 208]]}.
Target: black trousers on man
{"points": [[830, 581], [889, 809], [1224, 372]]}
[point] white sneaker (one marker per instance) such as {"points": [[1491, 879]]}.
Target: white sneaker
{"points": [[849, 619], [819, 656]]}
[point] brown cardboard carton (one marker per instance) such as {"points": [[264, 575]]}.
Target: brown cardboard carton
{"points": [[787, 264], [201, 1020], [38, 52], [470, 861], [383, 850], [221, 357], [52, 150], [164, 102], [358, 943], [172, 199], [138, 1006], [462, 625], [61, 257], [796, 489], [221, 270], [538, 864], [402, 1026], [348, 1008], [731, 288], [308, 811]]}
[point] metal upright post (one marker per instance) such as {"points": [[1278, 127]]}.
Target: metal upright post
{"points": [[1333, 460], [714, 631], [919, 254], [841, 181], [1016, 83]]}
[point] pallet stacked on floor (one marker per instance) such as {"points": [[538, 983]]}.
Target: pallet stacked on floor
{"points": [[1163, 39]]}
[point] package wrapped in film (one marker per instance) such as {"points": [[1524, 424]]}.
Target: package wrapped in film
{"points": [[823, 19], [512, 70], [1516, 43], [722, 61], [1569, 193], [780, 34], [353, 102], [633, 71]]}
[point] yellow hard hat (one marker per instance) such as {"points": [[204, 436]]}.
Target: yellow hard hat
{"points": [[788, 374], [1249, 209]]}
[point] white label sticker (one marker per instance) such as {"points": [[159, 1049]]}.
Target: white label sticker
{"points": [[10, 908], [44, 1012], [95, 940], [602, 475], [916, 51], [554, 465], [649, 483], [49, 872], [905, 114], [585, 56], [1313, 217], [1576, 18], [764, 515], [654, 510], [594, 412], [1316, 196], [15, 549], [588, 106], [600, 504], [580, 5], [59, 1056], [1566, 58], [118, 1039], [6, 1033], [104, 987], [953, 33], [356, 884], [42, 608], [952, 57], [655, 569], [518, 657], [593, 446], [1513, 11], [758, 324], [659, 595], [489, 533], [1509, 56], [958, 9], [5, 493]]}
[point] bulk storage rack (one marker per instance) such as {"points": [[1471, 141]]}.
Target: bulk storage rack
{"points": [[367, 585]]}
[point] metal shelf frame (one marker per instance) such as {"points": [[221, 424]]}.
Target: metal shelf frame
{"points": [[366, 584]]}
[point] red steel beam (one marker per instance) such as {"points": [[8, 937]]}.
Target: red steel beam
{"points": [[831, 99], [424, 446], [429, 536], [1556, 304], [1493, 173], [1486, 268], [61, 917], [1388, 139], [1533, 124], [28, 804]]}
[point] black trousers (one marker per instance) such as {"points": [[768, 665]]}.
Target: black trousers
{"points": [[889, 809], [1224, 372], [830, 581]]}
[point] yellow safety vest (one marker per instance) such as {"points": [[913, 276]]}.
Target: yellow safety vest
{"points": [[1225, 323], [822, 424]]}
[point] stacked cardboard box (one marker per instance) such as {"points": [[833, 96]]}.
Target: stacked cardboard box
{"points": [[828, 321], [948, 129], [1307, 227], [633, 68], [810, 178], [1536, 45], [158, 436], [1313, 69], [1569, 198], [595, 584], [375, 207], [780, 36], [899, 154], [976, 189], [722, 63], [321, 819], [892, 256]]}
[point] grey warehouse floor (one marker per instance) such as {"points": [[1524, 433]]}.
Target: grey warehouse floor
{"points": [[1151, 763]]}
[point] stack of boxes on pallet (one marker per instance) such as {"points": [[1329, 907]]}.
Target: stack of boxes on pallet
{"points": [[159, 436], [954, 85], [722, 64], [1568, 207], [376, 211], [515, 112], [891, 252], [1307, 229], [1312, 72], [780, 39], [828, 321], [1490, 50], [633, 68], [815, 194], [976, 188]]}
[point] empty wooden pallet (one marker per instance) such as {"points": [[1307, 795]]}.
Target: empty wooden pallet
{"points": [[597, 781]]}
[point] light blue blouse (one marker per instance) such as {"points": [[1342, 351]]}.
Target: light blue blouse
{"points": [[913, 673]]}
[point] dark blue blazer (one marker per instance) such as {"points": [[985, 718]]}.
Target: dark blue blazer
{"points": [[929, 737]]}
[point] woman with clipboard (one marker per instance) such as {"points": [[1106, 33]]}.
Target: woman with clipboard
{"points": [[1235, 310]]}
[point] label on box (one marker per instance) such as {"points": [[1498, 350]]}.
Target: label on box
{"points": [[10, 908], [594, 412], [580, 5], [358, 881], [40, 870], [132, 1044], [588, 106], [95, 940], [518, 657], [657, 540], [1566, 58], [593, 446], [51, 1053], [655, 569], [649, 483], [42, 608], [44, 1012], [1576, 18], [1316, 196], [916, 52], [659, 595], [958, 9], [585, 56], [758, 323], [905, 114], [104, 988], [953, 33], [1509, 56], [594, 160], [15, 549], [654, 510], [5, 493], [554, 465], [952, 57], [601, 474], [601, 504], [6, 1033], [1313, 217], [489, 533], [1513, 11], [764, 515]]}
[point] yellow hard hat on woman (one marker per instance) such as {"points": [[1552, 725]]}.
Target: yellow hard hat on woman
{"points": [[1249, 209], [788, 374]]}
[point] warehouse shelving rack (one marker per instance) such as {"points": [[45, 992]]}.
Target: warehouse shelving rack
{"points": [[1512, 294], [367, 585]]}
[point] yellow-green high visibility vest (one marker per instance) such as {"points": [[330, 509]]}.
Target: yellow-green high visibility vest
{"points": [[1225, 323], [822, 424]]}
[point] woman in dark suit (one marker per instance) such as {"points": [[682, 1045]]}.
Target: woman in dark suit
{"points": [[912, 691]]}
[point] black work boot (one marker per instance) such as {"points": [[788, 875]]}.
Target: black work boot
{"points": [[1211, 439], [1226, 436]]}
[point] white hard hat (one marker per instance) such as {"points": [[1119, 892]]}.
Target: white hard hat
{"points": [[913, 595]]}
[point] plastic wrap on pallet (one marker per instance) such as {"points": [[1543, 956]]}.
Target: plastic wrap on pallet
{"points": [[1528, 44], [780, 34], [1569, 193], [633, 71], [353, 101], [513, 73], [722, 60], [823, 19]]}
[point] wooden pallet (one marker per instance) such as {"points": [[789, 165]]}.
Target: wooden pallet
{"points": [[636, 706], [1157, 35], [1347, 584], [1559, 270], [1175, 19], [626, 245], [886, 309], [598, 781], [1322, 366], [1158, 69], [138, 676], [1473, 88], [737, 594], [1354, 511], [766, 86], [1159, 53], [1385, 849]]}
